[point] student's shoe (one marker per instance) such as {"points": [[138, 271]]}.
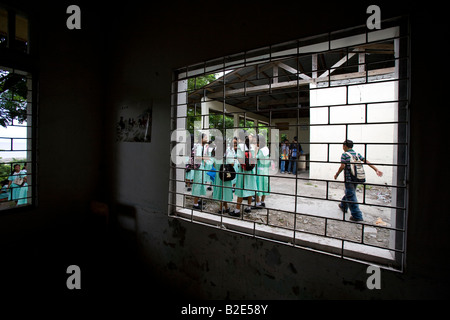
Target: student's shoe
{"points": [[197, 207], [247, 210], [222, 211], [356, 220], [263, 204], [233, 213], [342, 208], [258, 206]]}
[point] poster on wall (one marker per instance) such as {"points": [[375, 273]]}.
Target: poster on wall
{"points": [[134, 123]]}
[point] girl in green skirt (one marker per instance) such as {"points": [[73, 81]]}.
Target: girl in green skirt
{"points": [[222, 190], [198, 187], [246, 180], [263, 167]]}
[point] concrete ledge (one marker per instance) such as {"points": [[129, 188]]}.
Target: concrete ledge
{"points": [[338, 247]]}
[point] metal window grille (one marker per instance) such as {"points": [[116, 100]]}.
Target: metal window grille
{"points": [[14, 31], [17, 114], [351, 84], [16, 144]]}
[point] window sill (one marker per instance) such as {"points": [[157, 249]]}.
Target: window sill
{"points": [[333, 246]]}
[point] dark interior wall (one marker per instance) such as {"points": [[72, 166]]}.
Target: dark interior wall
{"points": [[67, 70], [209, 263], [427, 223], [70, 111], [126, 55]]}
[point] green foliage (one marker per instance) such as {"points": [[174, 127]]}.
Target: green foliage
{"points": [[216, 120], [192, 114], [13, 93], [5, 171], [201, 81]]}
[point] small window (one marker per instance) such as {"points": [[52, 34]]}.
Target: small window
{"points": [[21, 36], [16, 156], [14, 31], [3, 28], [299, 101]]}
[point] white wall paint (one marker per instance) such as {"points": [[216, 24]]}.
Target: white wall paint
{"points": [[377, 96]]}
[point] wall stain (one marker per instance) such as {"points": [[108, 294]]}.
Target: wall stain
{"points": [[269, 276], [205, 266], [358, 284], [213, 236], [171, 266], [296, 290], [257, 244], [178, 231], [273, 257], [169, 244], [291, 266]]}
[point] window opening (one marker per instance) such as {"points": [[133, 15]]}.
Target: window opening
{"points": [[3, 28], [21, 36], [16, 157], [310, 95], [14, 31]]}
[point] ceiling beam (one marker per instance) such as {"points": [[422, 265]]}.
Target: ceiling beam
{"points": [[337, 65], [272, 102], [294, 83], [293, 71]]}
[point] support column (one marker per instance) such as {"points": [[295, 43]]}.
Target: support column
{"points": [[361, 62], [314, 66], [205, 115]]}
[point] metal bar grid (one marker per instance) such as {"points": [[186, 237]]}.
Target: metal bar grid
{"points": [[402, 123], [365, 186], [253, 231], [191, 214]]}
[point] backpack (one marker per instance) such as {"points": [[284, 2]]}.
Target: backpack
{"points": [[192, 165], [247, 166], [294, 151], [356, 171], [227, 172], [212, 173]]}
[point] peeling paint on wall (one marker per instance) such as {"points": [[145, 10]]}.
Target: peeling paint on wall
{"points": [[178, 231], [273, 257]]}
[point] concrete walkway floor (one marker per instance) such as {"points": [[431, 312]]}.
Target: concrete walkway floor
{"points": [[304, 204]]}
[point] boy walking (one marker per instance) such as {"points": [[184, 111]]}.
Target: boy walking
{"points": [[349, 201]]}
